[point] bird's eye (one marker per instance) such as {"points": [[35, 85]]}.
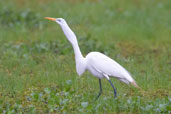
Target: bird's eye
{"points": [[59, 20]]}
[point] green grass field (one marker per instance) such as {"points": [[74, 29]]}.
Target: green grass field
{"points": [[37, 67]]}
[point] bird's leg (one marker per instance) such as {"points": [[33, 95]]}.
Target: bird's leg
{"points": [[114, 89], [100, 85]]}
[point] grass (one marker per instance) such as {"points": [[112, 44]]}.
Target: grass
{"points": [[37, 67]]}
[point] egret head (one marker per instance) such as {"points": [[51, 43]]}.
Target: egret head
{"points": [[60, 21], [67, 31]]}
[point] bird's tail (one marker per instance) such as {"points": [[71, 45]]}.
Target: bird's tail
{"points": [[135, 85]]}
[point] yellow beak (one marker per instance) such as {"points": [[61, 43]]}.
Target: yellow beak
{"points": [[49, 18]]}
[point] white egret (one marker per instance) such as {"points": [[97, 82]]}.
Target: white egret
{"points": [[98, 64]]}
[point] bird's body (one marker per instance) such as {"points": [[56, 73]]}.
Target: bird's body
{"points": [[102, 66], [98, 64]]}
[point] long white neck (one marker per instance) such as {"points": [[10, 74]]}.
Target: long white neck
{"points": [[80, 60]]}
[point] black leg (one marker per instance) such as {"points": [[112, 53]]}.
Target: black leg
{"points": [[114, 89], [100, 85]]}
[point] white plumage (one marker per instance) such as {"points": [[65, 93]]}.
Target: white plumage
{"points": [[98, 64]]}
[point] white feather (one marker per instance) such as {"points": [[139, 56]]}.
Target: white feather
{"points": [[99, 64]]}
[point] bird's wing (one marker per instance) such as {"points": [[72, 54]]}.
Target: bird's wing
{"points": [[106, 65]]}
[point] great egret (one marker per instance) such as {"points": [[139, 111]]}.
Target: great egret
{"points": [[98, 64]]}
